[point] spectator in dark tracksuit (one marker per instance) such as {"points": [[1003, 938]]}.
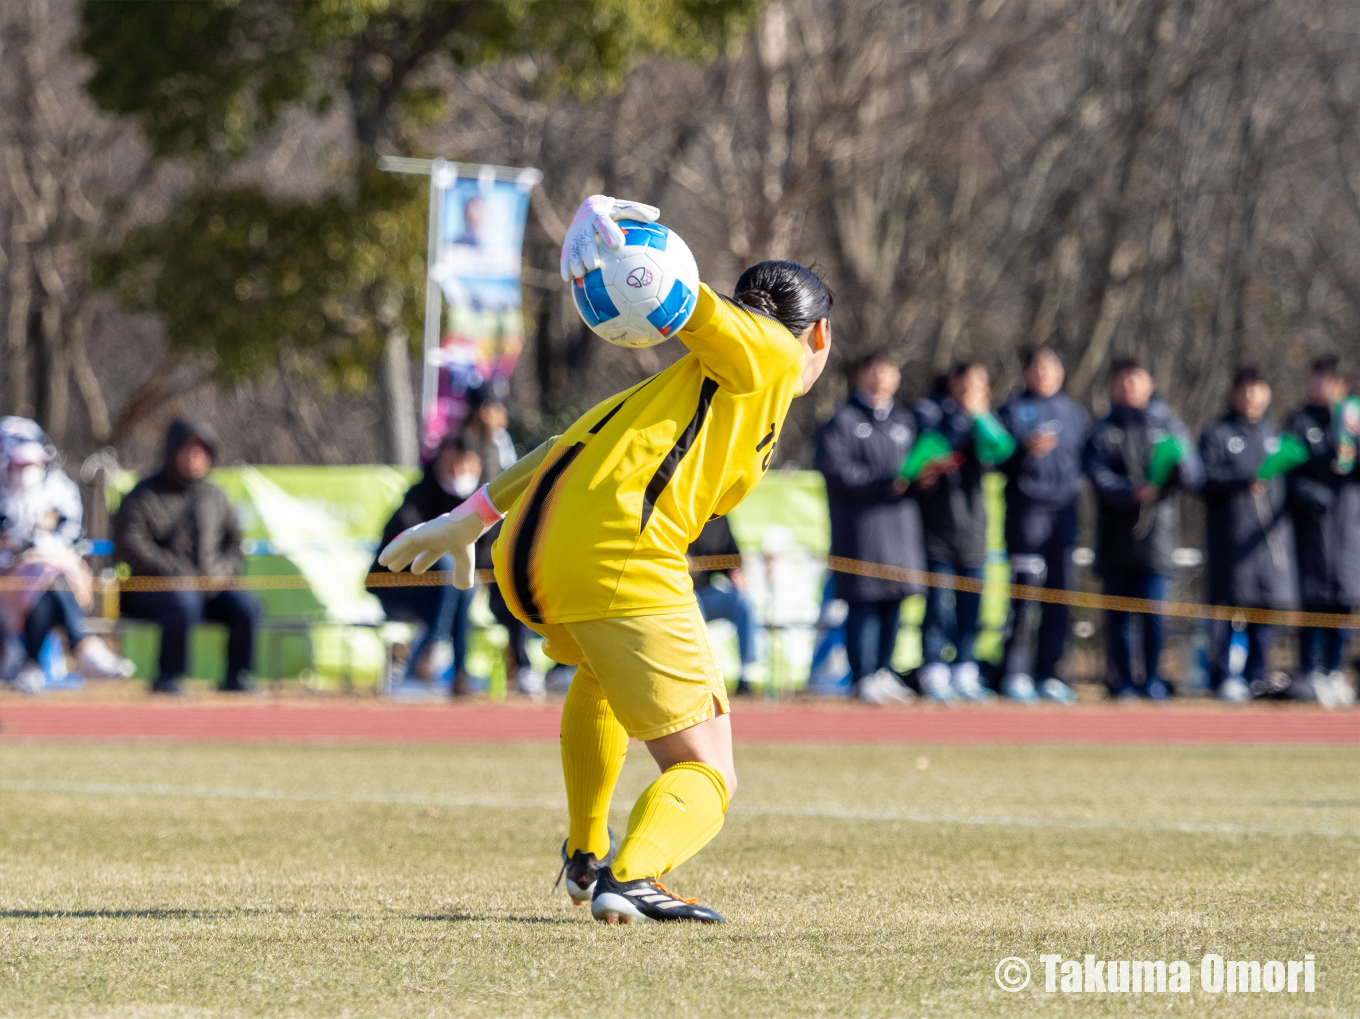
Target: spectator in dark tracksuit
{"points": [[1324, 501], [874, 518], [1248, 534], [175, 524], [1137, 522], [1043, 480], [453, 474], [729, 601], [954, 514]]}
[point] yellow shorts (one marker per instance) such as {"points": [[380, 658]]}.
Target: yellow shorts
{"points": [[657, 672]]}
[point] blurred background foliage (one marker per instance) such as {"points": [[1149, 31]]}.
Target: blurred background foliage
{"points": [[248, 280]]}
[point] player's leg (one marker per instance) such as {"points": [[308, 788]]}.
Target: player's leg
{"points": [[662, 682], [675, 817], [594, 745], [681, 812]]}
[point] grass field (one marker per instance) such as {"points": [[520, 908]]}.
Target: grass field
{"points": [[142, 880]]}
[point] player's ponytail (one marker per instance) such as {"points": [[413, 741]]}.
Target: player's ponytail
{"points": [[791, 293]]}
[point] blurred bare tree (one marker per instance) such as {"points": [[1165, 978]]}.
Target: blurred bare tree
{"points": [[1171, 179], [1166, 179]]}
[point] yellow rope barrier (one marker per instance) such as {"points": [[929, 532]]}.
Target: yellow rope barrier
{"points": [[838, 564]]}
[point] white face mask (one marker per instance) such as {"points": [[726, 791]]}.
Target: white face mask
{"points": [[31, 475], [462, 485]]}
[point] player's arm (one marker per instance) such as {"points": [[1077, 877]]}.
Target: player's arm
{"points": [[506, 487], [743, 350], [456, 532]]}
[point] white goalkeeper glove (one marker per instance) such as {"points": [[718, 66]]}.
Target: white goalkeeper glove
{"points": [[455, 533], [597, 215]]}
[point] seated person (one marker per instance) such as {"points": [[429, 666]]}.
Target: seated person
{"points": [[728, 602], [486, 435], [40, 524], [453, 474], [176, 524]]}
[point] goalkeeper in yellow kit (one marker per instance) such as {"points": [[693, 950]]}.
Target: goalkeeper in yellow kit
{"points": [[592, 556]]}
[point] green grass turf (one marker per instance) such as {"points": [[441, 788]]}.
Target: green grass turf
{"points": [[115, 901]]}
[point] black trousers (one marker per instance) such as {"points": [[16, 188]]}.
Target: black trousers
{"points": [[1260, 639], [1040, 546], [871, 635], [53, 609], [519, 633], [176, 611]]}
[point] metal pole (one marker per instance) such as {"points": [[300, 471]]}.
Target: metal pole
{"points": [[441, 176]]}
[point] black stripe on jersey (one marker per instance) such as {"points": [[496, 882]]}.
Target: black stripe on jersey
{"points": [[767, 440], [666, 470], [526, 538], [595, 428]]}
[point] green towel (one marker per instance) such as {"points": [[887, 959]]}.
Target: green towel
{"points": [[1167, 452], [930, 449], [994, 443], [1292, 453], [1343, 414]]}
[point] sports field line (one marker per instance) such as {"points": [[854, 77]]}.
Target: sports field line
{"points": [[380, 722], [508, 803]]}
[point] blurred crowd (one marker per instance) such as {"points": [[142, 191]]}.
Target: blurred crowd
{"points": [[41, 553], [1282, 523], [905, 489]]}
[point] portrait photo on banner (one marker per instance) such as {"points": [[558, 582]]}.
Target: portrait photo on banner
{"points": [[480, 236]]}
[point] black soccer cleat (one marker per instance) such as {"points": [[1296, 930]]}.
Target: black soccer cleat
{"points": [[645, 900], [580, 871]]}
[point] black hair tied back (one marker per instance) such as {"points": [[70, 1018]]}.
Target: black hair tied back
{"points": [[758, 300], [792, 293]]}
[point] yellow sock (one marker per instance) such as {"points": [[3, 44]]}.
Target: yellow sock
{"points": [[675, 817], [593, 748]]}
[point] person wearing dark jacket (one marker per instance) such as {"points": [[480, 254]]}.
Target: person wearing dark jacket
{"points": [[1137, 458], [874, 518], [453, 474], [954, 514], [1043, 480], [176, 524], [1248, 535], [485, 434], [1324, 502], [728, 601]]}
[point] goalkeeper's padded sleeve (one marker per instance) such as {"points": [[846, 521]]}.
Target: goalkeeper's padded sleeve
{"points": [[1291, 454], [929, 448], [994, 444], [506, 488]]}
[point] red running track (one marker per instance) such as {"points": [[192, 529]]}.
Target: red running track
{"points": [[387, 723]]}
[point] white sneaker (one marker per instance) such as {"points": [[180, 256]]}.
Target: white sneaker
{"points": [[1321, 684], [558, 679], [1020, 687], [530, 683], [94, 660], [30, 678], [967, 683], [935, 682], [883, 687], [1234, 690], [1333, 689], [1054, 689]]}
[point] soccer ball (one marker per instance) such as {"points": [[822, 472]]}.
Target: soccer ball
{"points": [[642, 293]]}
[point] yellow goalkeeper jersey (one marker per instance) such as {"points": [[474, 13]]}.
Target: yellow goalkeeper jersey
{"points": [[602, 529]]}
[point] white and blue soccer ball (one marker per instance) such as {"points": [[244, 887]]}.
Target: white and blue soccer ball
{"points": [[642, 293]]}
